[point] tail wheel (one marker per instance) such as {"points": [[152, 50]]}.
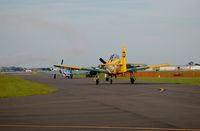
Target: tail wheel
{"points": [[110, 81]]}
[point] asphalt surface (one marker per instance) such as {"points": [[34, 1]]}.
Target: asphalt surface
{"points": [[79, 104]]}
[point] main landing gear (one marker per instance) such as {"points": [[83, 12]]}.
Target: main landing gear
{"points": [[97, 79], [132, 78], [109, 78], [54, 76]]}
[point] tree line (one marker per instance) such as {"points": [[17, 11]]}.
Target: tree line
{"points": [[21, 69]]}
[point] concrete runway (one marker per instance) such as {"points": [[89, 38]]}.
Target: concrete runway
{"points": [[79, 104]]}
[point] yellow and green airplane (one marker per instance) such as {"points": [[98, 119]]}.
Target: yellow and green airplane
{"points": [[113, 67]]}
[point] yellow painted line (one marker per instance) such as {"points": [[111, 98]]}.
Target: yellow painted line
{"points": [[155, 92], [98, 127]]}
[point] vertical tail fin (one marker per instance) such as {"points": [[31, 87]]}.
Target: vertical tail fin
{"points": [[123, 60]]}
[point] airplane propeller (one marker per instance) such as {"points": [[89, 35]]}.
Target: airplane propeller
{"points": [[62, 61], [61, 64], [102, 60]]}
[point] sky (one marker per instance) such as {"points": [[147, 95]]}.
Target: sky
{"points": [[39, 33]]}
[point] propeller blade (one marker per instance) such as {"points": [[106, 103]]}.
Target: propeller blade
{"points": [[62, 61], [60, 71], [102, 60]]}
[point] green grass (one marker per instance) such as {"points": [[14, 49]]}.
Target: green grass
{"points": [[175, 80], [11, 86], [82, 75]]}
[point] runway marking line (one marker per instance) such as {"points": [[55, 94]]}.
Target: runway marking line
{"points": [[155, 92], [162, 89], [98, 127]]}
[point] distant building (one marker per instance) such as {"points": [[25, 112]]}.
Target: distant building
{"points": [[177, 68], [28, 70], [195, 67], [168, 68]]}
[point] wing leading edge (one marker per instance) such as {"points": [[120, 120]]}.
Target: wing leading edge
{"points": [[98, 70]]}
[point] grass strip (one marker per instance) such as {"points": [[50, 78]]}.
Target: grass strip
{"points": [[176, 80], [12, 86]]}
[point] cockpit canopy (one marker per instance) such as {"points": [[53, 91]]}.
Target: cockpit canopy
{"points": [[114, 57]]}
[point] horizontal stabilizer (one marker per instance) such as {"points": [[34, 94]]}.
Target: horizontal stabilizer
{"points": [[158, 66]]}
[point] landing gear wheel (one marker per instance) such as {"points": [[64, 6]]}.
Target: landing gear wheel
{"points": [[107, 78], [110, 81], [54, 76], [132, 80], [97, 81], [71, 76], [67, 77]]}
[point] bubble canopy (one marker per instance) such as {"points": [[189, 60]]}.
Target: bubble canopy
{"points": [[114, 57]]}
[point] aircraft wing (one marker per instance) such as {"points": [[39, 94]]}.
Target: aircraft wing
{"points": [[135, 69], [158, 65], [68, 67], [95, 69]]}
